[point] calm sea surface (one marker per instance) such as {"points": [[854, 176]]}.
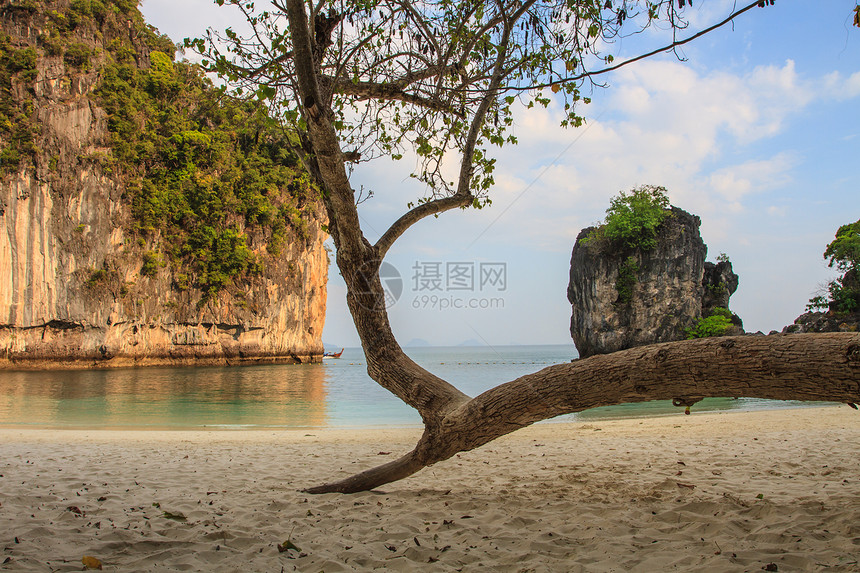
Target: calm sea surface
{"points": [[334, 394]]}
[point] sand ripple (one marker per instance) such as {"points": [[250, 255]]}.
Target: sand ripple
{"points": [[716, 492]]}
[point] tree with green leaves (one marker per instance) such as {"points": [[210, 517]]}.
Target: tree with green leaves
{"points": [[633, 217], [843, 252], [361, 79]]}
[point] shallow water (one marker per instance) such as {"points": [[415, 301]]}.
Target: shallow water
{"points": [[334, 394]]}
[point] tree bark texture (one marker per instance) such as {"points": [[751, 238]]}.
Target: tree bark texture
{"points": [[818, 367], [356, 258]]}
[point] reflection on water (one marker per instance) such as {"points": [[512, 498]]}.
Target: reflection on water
{"points": [[167, 397], [337, 393]]}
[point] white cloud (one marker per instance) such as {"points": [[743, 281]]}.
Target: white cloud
{"points": [[734, 182], [839, 88], [668, 125], [698, 106], [852, 86]]}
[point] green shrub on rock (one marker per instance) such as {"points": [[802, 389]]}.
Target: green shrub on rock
{"points": [[716, 324], [631, 224], [632, 218], [713, 325], [18, 127], [78, 56], [627, 274]]}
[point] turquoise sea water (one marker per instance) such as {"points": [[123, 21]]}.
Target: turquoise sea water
{"points": [[334, 394]]}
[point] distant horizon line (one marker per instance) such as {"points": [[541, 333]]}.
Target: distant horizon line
{"points": [[337, 346]]}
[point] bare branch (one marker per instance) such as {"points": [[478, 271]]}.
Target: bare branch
{"points": [[668, 48], [421, 23], [414, 215], [391, 92], [350, 56], [254, 72], [400, 468]]}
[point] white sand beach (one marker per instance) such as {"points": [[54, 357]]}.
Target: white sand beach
{"points": [[770, 490]]}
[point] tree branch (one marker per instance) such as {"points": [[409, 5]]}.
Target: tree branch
{"points": [[391, 91], [467, 164], [400, 468], [808, 367], [343, 217], [463, 197], [421, 23], [667, 48], [414, 215], [303, 53], [356, 258]]}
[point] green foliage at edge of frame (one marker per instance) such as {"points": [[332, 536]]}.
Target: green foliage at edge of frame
{"points": [[843, 293]]}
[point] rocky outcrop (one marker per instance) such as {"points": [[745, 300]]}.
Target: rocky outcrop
{"points": [[73, 292], [623, 298], [829, 321], [720, 283]]}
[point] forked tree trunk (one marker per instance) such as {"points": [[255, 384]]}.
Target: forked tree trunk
{"points": [[804, 367], [793, 367]]}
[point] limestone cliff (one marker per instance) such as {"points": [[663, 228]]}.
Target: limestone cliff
{"points": [[622, 298], [83, 282]]}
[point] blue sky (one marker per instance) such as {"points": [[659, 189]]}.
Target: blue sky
{"points": [[757, 132]]}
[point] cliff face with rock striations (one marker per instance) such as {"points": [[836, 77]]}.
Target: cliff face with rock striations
{"points": [[623, 298], [85, 279]]}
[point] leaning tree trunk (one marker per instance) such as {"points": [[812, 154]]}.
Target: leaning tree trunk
{"points": [[799, 367], [779, 367]]}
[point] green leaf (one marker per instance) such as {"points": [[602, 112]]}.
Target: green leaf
{"points": [[266, 92]]}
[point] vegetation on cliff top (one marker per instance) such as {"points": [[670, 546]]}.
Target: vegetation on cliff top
{"points": [[631, 224], [632, 218], [843, 252], [18, 72], [199, 168]]}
